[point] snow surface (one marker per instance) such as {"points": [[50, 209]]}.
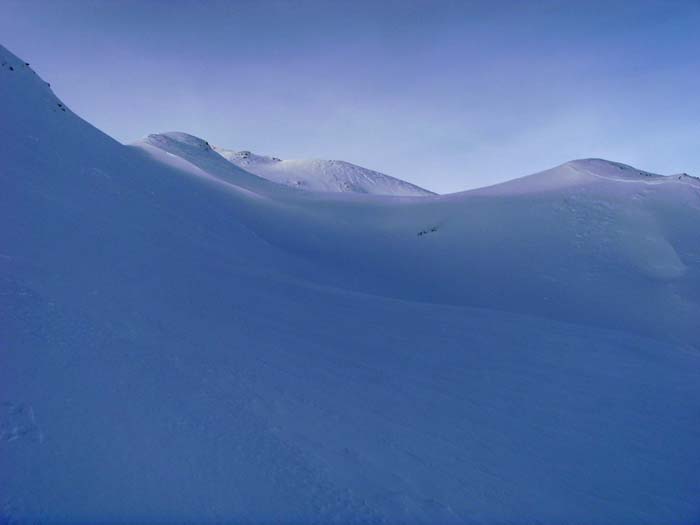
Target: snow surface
{"points": [[184, 341], [321, 175]]}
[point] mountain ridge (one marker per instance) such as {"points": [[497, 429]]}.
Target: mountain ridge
{"points": [[311, 174]]}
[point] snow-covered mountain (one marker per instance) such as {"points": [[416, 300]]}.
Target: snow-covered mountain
{"points": [[310, 175], [321, 175], [182, 340]]}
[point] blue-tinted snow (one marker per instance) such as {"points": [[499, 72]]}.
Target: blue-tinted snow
{"points": [[182, 341]]}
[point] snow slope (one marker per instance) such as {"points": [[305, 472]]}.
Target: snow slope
{"points": [[183, 341], [589, 242], [321, 175]]}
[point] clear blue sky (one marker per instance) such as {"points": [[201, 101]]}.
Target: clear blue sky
{"points": [[446, 94]]}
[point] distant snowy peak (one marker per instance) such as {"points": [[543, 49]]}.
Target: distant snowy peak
{"points": [[245, 158], [607, 169], [179, 139], [322, 175], [197, 153], [616, 170], [584, 172]]}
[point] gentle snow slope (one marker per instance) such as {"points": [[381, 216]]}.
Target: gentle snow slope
{"points": [[321, 175], [589, 242], [182, 341]]}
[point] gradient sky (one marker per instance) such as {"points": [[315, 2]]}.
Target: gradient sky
{"points": [[448, 95]]}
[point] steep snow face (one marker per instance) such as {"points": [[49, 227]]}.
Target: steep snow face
{"points": [[322, 175], [183, 341], [17, 76]]}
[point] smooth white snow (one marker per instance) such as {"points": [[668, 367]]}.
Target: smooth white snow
{"points": [[321, 175], [184, 341]]}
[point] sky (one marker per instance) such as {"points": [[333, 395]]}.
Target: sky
{"points": [[449, 95]]}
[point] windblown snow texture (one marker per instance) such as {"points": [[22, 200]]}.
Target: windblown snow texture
{"points": [[182, 340]]}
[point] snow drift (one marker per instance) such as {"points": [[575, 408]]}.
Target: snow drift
{"points": [[183, 340]]}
